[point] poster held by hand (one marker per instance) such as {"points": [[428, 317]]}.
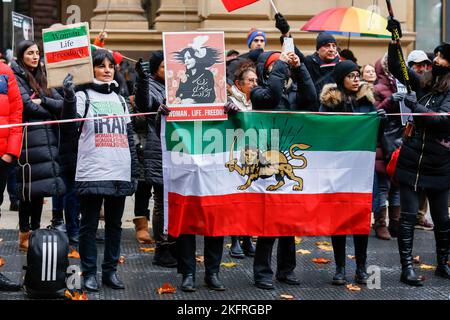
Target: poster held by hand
{"points": [[23, 29], [67, 50]]}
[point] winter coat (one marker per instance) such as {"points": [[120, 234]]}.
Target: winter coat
{"points": [[239, 99], [39, 172], [272, 93], [320, 75], [116, 188], [150, 95], [332, 100], [10, 112], [424, 160]]}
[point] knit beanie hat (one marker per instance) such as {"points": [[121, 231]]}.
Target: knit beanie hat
{"points": [[444, 49], [253, 34], [342, 69], [274, 56], [155, 61], [323, 39]]}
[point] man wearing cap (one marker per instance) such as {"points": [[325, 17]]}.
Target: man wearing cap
{"points": [[321, 64], [419, 62]]}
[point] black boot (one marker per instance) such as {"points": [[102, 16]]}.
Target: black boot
{"points": [[188, 283], [442, 250], [405, 246], [236, 250], [213, 282], [163, 256], [8, 285], [58, 224], [339, 243], [361, 242], [248, 247]]}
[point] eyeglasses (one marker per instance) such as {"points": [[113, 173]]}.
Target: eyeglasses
{"points": [[354, 76]]}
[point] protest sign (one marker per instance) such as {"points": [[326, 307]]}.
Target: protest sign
{"points": [[67, 50], [23, 29], [195, 75]]}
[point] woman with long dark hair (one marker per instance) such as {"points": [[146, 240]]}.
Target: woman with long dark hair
{"points": [[39, 173], [107, 167], [424, 160]]}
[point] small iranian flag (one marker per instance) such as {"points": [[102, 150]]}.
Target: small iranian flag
{"points": [[68, 44], [270, 174], [232, 5]]}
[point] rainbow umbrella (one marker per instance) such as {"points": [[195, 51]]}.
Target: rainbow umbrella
{"points": [[350, 21]]}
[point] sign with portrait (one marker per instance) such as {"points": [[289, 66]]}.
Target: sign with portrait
{"points": [[195, 72], [23, 29], [67, 50]]}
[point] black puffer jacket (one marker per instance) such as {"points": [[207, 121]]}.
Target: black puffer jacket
{"points": [[272, 93], [150, 94], [424, 160], [39, 172], [105, 188]]}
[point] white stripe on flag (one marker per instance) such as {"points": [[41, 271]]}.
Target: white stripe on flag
{"points": [[61, 45], [44, 258], [55, 256]]}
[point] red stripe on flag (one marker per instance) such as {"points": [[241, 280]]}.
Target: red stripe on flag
{"points": [[232, 5], [66, 55], [274, 215]]}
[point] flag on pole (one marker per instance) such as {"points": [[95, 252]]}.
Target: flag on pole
{"points": [[270, 174], [232, 5]]}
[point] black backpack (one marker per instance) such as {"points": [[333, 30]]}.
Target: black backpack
{"points": [[47, 263]]}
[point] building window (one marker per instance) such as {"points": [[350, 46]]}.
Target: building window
{"points": [[428, 24]]}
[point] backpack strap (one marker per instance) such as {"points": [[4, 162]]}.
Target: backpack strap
{"points": [[124, 103], [86, 110]]}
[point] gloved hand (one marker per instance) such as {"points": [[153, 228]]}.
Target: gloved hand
{"points": [[69, 87], [382, 114], [231, 108], [411, 101], [282, 24], [143, 68], [163, 110], [393, 25], [398, 96]]}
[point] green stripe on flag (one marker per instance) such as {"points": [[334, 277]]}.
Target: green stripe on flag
{"points": [[64, 34], [320, 132]]}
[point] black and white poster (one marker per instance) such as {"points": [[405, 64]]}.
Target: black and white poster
{"points": [[23, 29]]}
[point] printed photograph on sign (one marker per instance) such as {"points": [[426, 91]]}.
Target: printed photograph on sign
{"points": [[23, 29], [195, 74]]}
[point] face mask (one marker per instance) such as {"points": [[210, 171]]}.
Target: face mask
{"points": [[439, 71]]}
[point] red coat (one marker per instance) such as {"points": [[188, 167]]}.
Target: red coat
{"points": [[11, 108]]}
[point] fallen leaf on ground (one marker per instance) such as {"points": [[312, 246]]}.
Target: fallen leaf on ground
{"points": [[321, 260], [228, 264], [301, 251], [228, 246], [76, 295], [353, 287], [147, 250], [351, 257], [424, 266], [122, 259], [416, 259], [166, 288], [2, 262], [325, 248], [323, 243], [200, 259], [298, 240], [286, 297], [74, 254]]}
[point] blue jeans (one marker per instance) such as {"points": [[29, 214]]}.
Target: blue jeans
{"points": [[90, 212], [70, 204], [375, 196], [388, 192]]}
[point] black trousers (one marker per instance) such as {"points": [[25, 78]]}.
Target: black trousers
{"points": [[30, 214], [339, 248], [90, 206], [142, 199], [286, 260], [186, 254]]}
